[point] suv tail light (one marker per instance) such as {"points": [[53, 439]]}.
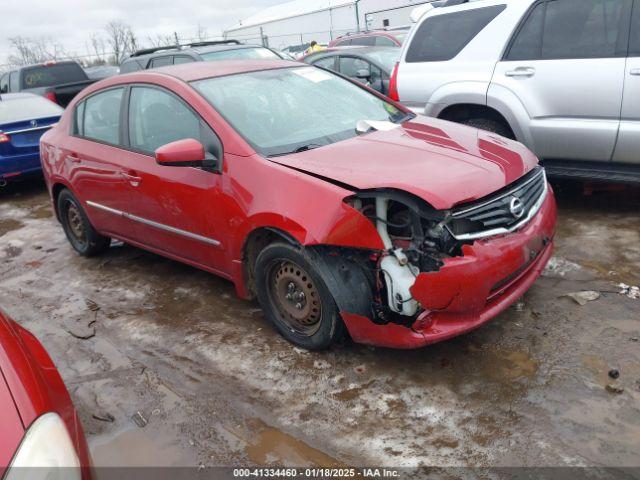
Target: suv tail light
{"points": [[4, 138], [393, 84], [49, 95]]}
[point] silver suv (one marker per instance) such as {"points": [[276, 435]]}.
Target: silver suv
{"points": [[560, 76]]}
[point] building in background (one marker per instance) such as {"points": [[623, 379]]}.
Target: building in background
{"points": [[301, 21]]}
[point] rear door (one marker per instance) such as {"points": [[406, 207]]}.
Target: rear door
{"points": [[628, 146], [94, 158], [171, 204], [566, 66]]}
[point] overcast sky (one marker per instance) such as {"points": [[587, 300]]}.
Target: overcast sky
{"points": [[71, 22]]}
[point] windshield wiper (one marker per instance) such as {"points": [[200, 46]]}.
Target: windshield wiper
{"points": [[408, 116], [303, 148]]}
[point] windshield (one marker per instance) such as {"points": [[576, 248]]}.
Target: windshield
{"points": [[257, 53], [284, 110], [22, 108], [48, 76], [386, 58]]}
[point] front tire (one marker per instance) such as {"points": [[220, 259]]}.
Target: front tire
{"points": [[81, 235], [295, 299]]}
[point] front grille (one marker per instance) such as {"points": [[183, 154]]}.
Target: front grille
{"points": [[503, 212]]}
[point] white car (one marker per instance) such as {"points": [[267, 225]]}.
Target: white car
{"points": [[560, 76]]}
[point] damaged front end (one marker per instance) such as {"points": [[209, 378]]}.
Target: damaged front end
{"points": [[443, 273]]}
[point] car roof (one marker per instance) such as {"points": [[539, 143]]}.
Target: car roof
{"points": [[189, 50], [189, 72]]}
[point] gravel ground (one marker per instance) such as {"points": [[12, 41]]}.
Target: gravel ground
{"points": [[178, 371]]}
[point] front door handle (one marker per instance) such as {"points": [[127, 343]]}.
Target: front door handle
{"points": [[521, 72], [635, 72], [134, 180]]}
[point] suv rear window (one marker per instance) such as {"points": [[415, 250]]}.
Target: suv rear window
{"points": [[48, 76], [442, 37]]}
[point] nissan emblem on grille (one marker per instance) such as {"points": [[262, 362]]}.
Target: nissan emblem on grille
{"points": [[34, 123], [516, 207]]}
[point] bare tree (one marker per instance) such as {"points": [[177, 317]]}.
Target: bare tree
{"points": [[202, 34], [98, 48], [161, 40], [120, 39], [34, 50]]}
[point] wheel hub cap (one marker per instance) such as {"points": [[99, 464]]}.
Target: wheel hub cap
{"points": [[75, 222], [296, 298]]}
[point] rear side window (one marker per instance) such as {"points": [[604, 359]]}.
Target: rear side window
{"points": [[14, 81], [78, 120], [573, 29], [364, 41], [329, 62], [157, 118], [160, 62], [102, 116], [180, 59], [442, 37], [4, 83], [385, 42]]}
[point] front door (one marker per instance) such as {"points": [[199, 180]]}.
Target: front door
{"points": [[171, 205], [566, 66], [628, 146]]}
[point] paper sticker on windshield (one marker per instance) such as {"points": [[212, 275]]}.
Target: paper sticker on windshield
{"points": [[313, 74]]}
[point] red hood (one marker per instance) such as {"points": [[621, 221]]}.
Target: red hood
{"points": [[444, 163]]}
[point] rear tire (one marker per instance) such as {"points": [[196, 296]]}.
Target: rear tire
{"points": [[295, 299], [490, 125], [81, 235]]}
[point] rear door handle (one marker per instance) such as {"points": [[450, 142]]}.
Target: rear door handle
{"points": [[73, 157], [134, 180], [521, 72], [635, 72]]}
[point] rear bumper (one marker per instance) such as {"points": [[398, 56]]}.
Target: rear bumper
{"points": [[469, 291], [16, 165]]}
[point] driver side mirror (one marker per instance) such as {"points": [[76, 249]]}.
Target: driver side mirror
{"points": [[186, 153]]}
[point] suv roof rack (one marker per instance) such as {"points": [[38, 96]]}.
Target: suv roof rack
{"points": [[148, 51]]}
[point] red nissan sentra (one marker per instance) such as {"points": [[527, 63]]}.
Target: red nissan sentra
{"points": [[40, 433], [331, 204]]}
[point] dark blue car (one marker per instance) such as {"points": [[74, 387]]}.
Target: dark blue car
{"points": [[24, 117]]}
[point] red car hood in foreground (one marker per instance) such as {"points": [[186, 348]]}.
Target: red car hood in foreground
{"points": [[444, 163]]}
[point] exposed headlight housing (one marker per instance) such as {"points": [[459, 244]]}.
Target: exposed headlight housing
{"points": [[46, 452]]}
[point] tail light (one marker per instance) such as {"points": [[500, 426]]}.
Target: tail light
{"points": [[49, 95], [4, 138], [393, 84]]}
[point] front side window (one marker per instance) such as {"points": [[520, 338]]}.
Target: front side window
{"points": [[280, 111], [157, 118], [258, 53], [102, 116], [584, 28], [442, 37], [573, 29], [634, 40], [352, 67]]}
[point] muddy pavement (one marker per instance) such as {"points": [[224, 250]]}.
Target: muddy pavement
{"points": [[167, 367]]}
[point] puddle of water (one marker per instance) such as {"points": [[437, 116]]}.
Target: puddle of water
{"points": [[271, 446], [9, 225]]}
